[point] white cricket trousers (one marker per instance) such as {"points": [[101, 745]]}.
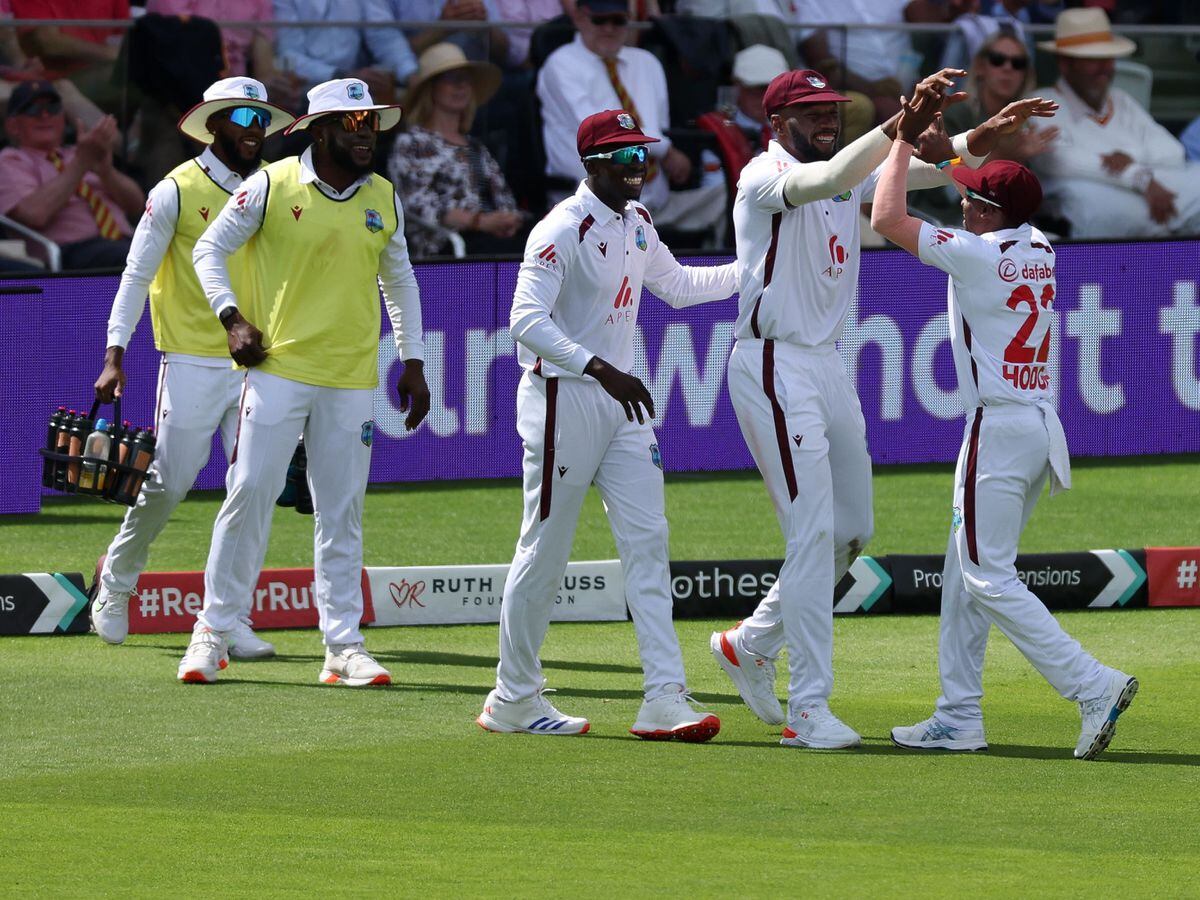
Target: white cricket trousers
{"points": [[336, 426], [802, 421], [1002, 467], [574, 433], [193, 402]]}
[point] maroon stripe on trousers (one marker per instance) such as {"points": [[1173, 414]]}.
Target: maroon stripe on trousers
{"points": [[237, 437], [548, 451], [781, 432], [969, 487]]}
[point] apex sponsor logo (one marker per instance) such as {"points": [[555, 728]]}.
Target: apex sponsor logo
{"points": [[547, 258], [624, 294], [837, 257], [940, 236]]}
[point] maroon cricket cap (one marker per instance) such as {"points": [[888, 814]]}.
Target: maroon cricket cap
{"points": [[611, 128], [799, 86], [1005, 184]]}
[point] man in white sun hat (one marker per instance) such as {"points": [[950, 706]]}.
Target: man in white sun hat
{"points": [[1110, 154], [323, 233], [198, 388]]}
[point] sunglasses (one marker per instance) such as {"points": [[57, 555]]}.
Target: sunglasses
{"points": [[245, 116], [361, 120], [617, 20], [982, 199], [45, 107], [626, 156], [1020, 63]]}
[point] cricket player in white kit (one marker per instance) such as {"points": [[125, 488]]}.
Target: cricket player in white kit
{"points": [[322, 232], [581, 421], [198, 385], [1001, 298]]}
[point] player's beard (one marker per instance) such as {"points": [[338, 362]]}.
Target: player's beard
{"points": [[231, 147], [345, 159], [804, 150]]}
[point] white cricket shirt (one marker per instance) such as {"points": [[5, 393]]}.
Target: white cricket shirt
{"points": [[1001, 297], [798, 265], [580, 285]]}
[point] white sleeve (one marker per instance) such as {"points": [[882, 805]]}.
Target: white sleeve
{"points": [[401, 295], [240, 218], [845, 171], [953, 250], [548, 255], [153, 235], [683, 286]]}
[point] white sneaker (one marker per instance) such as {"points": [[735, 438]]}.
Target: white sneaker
{"points": [[110, 615], [536, 715], [819, 729], [1100, 715], [206, 655], [933, 734], [245, 644], [672, 717], [353, 666], [752, 675]]}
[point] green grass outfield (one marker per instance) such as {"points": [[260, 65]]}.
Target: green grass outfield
{"points": [[116, 780]]}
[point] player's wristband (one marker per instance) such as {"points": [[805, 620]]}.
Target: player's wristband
{"points": [[949, 163]]}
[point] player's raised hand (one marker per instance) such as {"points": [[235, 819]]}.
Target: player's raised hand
{"points": [[934, 145], [626, 389], [1017, 113], [942, 84], [414, 393], [918, 112]]}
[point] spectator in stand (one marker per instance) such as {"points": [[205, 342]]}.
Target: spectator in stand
{"points": [[880, 64], [597, 71], [84, 54], [446, 179], [477, 44], [975, 27], [16, 66], [753, 69], [73, 195], [535, 11], [248, 50], [1112, 171], [380, 57], [1001, 72]]}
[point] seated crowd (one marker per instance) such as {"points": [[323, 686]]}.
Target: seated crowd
{"points": [[487, 141]]}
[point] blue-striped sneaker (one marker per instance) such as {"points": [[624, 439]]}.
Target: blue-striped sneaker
{"points": [[536, 715], [1099, 715], [933, 734]]}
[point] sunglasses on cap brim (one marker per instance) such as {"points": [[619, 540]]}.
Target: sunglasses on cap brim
{"points": [[982, 199], [245, 116], [47, 105], [358, 120], [626, 156]]}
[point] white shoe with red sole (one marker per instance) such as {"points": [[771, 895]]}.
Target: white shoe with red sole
{"points": [[672, 717], [351, 665]]}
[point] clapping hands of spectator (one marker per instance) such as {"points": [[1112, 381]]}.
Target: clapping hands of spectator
{"points": [[94, 146], [502, 223], [677, 166], [1161, 202], [1116, 162], [284, 88], [464, 11]]}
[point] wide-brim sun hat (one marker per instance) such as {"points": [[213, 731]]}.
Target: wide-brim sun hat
{"points": [[1086, 33], [441, 58], [229, 93], [344, 95]]}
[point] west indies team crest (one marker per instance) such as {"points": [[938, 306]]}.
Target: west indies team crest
{"points": [[250, 91], [639, 238], [368, 433], [374, 221], [354, 90]]}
